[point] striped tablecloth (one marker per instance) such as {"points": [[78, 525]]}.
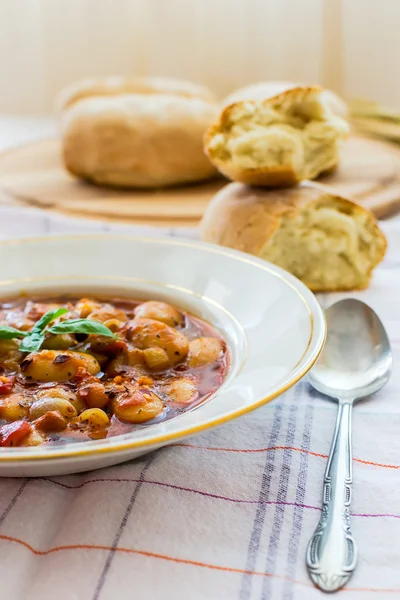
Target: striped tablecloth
{"points": [[225, 515]]}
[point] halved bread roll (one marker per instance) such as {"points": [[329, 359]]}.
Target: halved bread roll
{"points": [[268, 89], [277, 141], [136, 133], [327, 241]]}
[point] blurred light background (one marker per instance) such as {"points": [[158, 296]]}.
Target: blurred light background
{"points": [[351, 46]]}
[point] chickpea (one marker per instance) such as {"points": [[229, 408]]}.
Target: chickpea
{"points": [[7, 347], [156, 358], [60, 392], [13, 407], [57, 365], [85, 306], [113, 324], [45, 404], [204, 351], [10, 355], [78, 404], [54, 392], [94, 418], [93, 394], [159, 311], [59, 342], [106, 313], [139, 407], [147, 333], [182, 391], [135, 357]]}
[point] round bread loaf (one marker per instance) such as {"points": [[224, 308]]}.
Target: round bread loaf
{"points": [[277, 141], [118, 85], [136, 133], [327, 241]]}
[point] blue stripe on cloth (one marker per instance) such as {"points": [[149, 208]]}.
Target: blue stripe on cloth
{"points": [[111, 554], [288, 587], [273, 546], [254, 543]]}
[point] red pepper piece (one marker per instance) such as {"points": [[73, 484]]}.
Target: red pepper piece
{"points": [[138, 397], [6, 385], [80, 375], [13, 433]]}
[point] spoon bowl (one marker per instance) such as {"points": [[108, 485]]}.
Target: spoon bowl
{"points": [[357, 358]]}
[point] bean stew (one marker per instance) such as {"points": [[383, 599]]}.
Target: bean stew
{"points": [[74, 369]]}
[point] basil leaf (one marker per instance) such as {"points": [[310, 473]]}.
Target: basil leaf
{"points": [[32, 342], [82, 326], [35, 338], [8, 333], [48, 318]]}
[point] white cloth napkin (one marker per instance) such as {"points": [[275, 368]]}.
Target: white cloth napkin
{"points": [[225, 515]]}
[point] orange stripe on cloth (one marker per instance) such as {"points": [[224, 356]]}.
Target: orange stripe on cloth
{"points": [[181, 561], [268, 449]]}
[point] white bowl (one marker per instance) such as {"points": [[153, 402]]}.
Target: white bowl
{"points": [[273, 325]]}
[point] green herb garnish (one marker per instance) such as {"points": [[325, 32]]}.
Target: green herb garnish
{"points": [[9, 333], [48, 318], [82, 326], [35, 338]]}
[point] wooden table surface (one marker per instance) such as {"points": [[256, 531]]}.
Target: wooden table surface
{"points": [[17, 131]]}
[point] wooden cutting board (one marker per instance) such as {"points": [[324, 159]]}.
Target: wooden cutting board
{"points": [[33, 174]]}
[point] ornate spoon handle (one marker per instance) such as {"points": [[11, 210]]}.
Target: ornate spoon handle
{"points": [[331, 553]]}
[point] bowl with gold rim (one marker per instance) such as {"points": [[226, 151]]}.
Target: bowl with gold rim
{"points": [[149, 340]]}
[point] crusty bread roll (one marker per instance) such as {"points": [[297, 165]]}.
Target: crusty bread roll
{"points": [[115, 86], [268, 89], [327, 241], [277, 141], [144, 133]]}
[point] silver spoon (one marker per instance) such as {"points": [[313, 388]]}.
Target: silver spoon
{"points": [[355, 362]]}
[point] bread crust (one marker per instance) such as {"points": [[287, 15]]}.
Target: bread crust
{"points": [[268, 176], [245, 218], [118, 85], [267, 89], [116, 137]]}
